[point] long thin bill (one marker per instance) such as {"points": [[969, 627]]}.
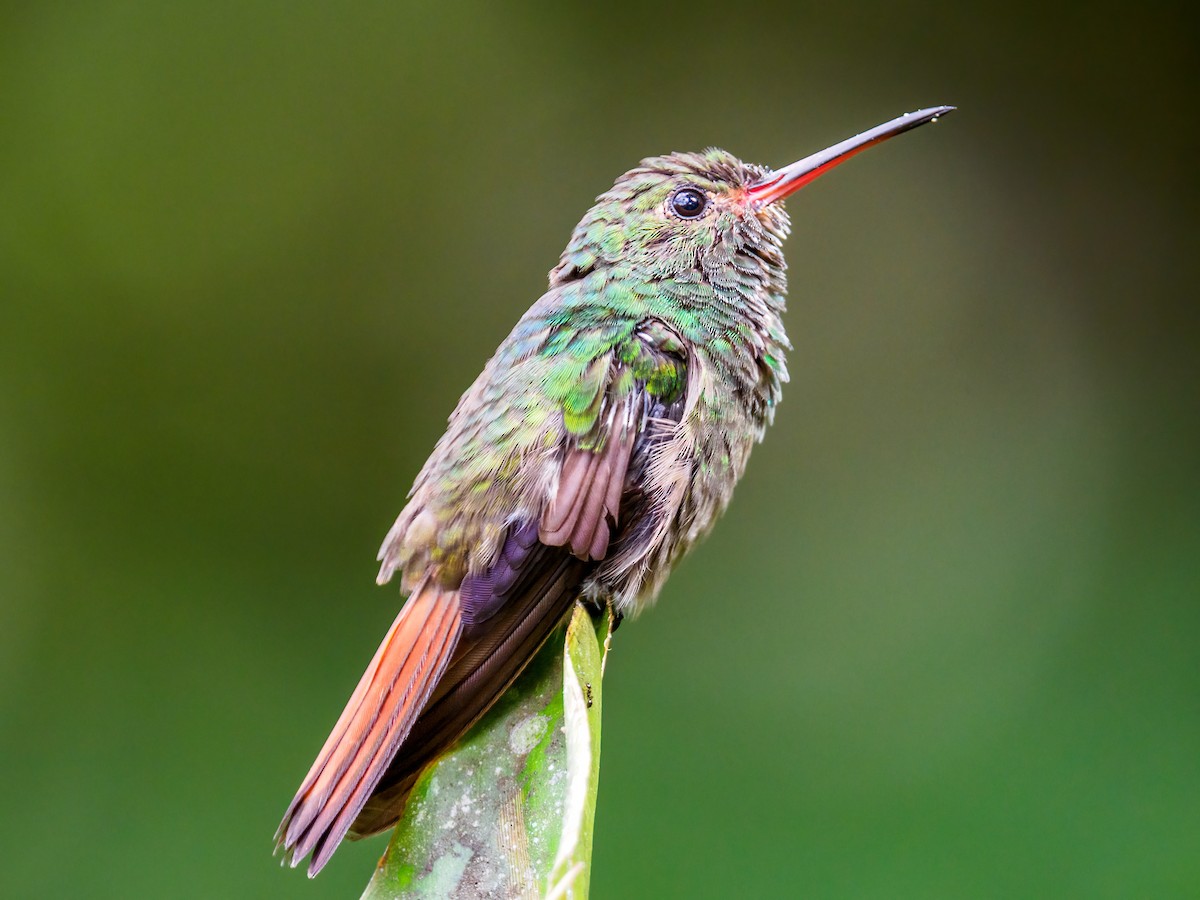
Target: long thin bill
{"points": [[791, 178]]}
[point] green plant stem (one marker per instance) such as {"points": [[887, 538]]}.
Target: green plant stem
{"points": [[508, 812]]}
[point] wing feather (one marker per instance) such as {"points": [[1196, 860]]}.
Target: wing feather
{"points": [[461, 640]]}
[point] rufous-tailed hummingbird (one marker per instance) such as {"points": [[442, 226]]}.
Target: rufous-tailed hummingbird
{"points": [[601, 441]]}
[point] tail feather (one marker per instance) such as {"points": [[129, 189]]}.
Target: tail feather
{"points": [[486, 664], [381, 712]]}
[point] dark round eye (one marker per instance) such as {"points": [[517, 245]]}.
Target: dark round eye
{"points": [[688, 203]]}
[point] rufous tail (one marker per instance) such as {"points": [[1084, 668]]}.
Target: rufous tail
{"points": [[381, 712]]}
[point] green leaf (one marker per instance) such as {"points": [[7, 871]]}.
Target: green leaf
{"points": [[509, 811]]}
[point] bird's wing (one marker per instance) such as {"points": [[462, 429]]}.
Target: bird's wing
{"points": [[513, 607], [456, 647]]}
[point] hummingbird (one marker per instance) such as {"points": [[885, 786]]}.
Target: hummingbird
{"points": [[599, 444]]}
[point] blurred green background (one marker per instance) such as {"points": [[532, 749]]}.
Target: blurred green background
{"points": [[944, 643]]}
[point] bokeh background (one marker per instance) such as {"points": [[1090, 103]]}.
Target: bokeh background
{"points": [[944, 643]]}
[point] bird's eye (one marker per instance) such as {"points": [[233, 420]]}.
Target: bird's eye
{"points": [[688, 203]]}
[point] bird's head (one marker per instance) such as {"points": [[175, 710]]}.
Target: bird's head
{"points": [[701, 211]]}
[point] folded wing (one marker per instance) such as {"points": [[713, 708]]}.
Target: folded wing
{"points": [[453, 651]]}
